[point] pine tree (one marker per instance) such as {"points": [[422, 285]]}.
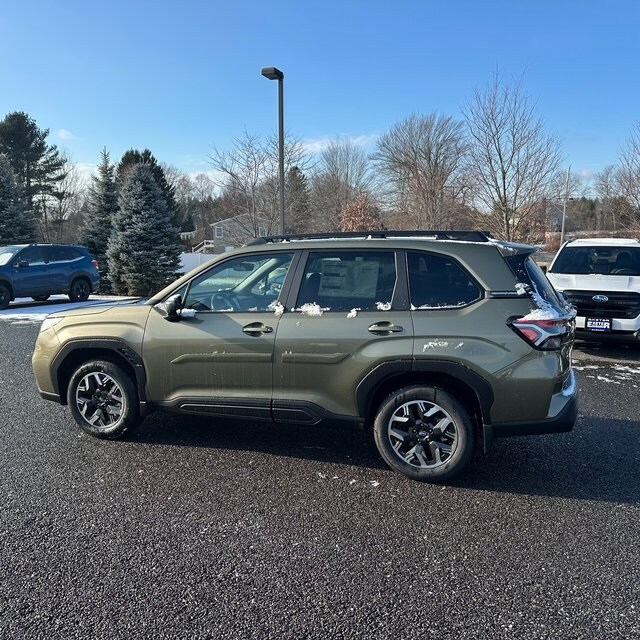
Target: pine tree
{"points": [[143, 252], [102, 205], [298, 197], [38, 167], [134, 157], [16, 227]]}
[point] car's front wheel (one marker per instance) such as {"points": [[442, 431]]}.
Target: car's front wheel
{"points": [[5, 296], [424, 433], [103, 400], [79, 290]]}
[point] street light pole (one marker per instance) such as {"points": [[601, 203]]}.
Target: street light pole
{"points": [[275, 74]]}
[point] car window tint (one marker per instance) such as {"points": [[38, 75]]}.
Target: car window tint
{"points": [[59, 254], [33, 255], [346, 280], [437, 281], [246, 283], [600, 260]]}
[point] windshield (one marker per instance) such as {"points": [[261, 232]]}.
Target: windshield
{"points": [[601, 260], [6, 253]]}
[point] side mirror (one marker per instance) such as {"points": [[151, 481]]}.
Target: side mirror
{"points": [[23, 263], [172, 307]]}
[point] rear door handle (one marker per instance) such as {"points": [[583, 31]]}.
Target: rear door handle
{"points": [[385, 327], [257, 327]]}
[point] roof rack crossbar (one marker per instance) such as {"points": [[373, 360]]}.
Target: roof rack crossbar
{"points": [[469, 236]]}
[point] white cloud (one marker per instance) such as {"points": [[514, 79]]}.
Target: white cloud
{"points": [[65, 134], [318, 145]]}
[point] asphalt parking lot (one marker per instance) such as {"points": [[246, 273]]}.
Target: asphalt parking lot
{"points": [[194, 529]]}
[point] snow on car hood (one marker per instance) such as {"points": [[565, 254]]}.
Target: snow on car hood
{"points": [[594, 282]]}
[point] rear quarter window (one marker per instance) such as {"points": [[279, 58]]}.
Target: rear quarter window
{"points": [[437, 281], [530, 274]]}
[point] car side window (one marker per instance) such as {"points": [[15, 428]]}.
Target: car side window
{"points": [[438, 282], [33, 255], [346, 280], [248, 283], [59, 254]]}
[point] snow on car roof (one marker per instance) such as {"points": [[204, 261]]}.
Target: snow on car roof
{"points": [[597, 242]]}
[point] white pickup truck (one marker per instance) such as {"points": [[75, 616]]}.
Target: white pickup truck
{"points": [[601, 278]]}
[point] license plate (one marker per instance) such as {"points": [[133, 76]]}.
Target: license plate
{"points": [[598, 324]]}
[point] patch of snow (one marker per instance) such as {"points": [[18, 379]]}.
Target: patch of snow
{"points": [[435, 344], [353, 313], [621, 367], [312, 309], [383, 306], [522, 288], [277, 307], [605, 379]]}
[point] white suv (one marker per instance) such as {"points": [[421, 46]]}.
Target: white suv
{"points": [[601, 278]]}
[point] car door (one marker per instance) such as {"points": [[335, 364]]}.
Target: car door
{"points": [[220, 361], [347, 319], [30, 272], [58, 268]]}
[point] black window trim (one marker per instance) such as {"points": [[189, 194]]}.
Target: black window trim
{"points": [[482, 292], [398, 298]]}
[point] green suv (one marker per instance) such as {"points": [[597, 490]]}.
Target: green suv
{"points": [[434, 340]]}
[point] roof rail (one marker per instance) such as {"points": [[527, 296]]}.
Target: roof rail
{"points": [[469, 236]]}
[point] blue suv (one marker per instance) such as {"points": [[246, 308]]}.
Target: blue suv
{"points": [[39, 270]]}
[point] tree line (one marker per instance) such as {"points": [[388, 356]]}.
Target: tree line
{"points": [[496, 168]]}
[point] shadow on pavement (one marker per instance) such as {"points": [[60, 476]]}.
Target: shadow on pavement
{"points": [[599, 460]]}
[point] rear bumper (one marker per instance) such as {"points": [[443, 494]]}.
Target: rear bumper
{"points": [[608, 336], [560, 423]]}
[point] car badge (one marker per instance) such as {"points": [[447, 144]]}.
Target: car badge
{"points": [[600, 298]]}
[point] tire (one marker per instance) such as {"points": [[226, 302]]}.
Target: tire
{"points": [[5, 296], [40, 298], [79, 290], [424, 433], [103, 400]]}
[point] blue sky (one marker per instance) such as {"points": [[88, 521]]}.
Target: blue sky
{"points": [[181, 77]]}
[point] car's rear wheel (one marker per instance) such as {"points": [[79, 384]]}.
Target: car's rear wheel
{"points": [[103, 400], [79, 290], [40, 298], [5, 296], [424, 433]]}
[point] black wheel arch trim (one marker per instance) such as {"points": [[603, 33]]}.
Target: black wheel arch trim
{"points": [[7, 283], [118, 347], [385, 371]]}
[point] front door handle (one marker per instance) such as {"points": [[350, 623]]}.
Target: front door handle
{"points": [[385, 327], [257, 328]]}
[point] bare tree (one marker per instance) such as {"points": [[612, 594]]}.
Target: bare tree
{"points": [[613, 207], [61, 205], [242, 171], [421, 157], [343, 172], [249, 179], [628, 176], [511, 160]]}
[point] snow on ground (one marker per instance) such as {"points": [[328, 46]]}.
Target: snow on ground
{"points": [[26, 311]]}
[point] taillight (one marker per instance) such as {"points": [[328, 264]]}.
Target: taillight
{"points": [[544, 333], [94, 263]]}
